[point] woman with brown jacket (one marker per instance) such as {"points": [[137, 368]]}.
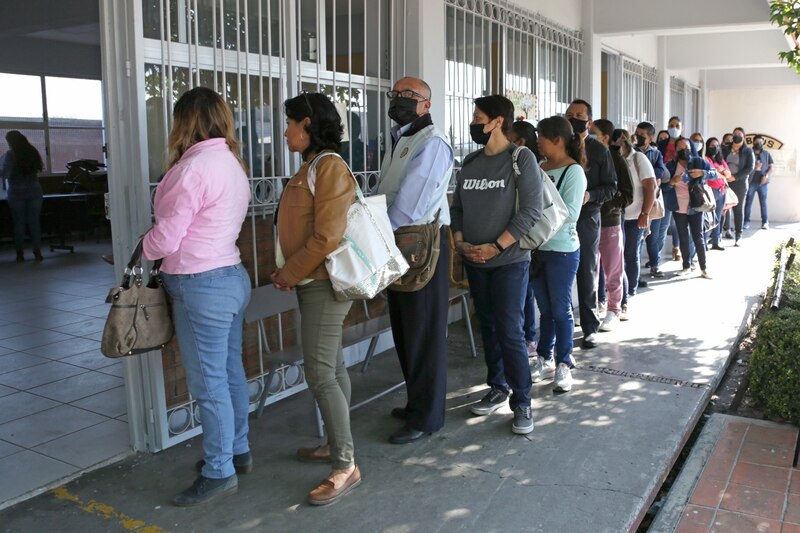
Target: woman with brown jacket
{"points": [[312, 217]]}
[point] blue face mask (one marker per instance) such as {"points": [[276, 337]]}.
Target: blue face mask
{"points": [[674, 132]]}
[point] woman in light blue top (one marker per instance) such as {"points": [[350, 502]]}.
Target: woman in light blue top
{"points": [[556, 261]]}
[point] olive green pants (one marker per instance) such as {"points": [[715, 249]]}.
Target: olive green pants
{"points": [[322, 318]]}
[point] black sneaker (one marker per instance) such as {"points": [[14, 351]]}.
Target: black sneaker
{"points": [[204, 490], [642, 284], [494, 400], [523, 420], [243, 463], [656, 273]]}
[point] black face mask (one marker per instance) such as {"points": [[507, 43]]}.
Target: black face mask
{"points": [[737, 139], [403, 110], [684, 154], [613, 147], [711, 151], [578, 125], [727, 144], [478, 135], [641, 142], [758, 147]]}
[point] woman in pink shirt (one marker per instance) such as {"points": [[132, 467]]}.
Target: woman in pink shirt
{"points": [[200, 206], [719, 185]]}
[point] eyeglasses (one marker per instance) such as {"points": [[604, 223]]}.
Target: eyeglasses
{"points": [[406, 93]]}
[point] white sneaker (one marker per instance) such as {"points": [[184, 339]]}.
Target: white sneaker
{"points": [[531, 346], [563, 382], [542, 366], [685, 272], [705, 274], [602, 307], [623, 314], [609, 322], [765, 225]]}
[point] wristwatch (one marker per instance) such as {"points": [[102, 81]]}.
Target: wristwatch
{"points": [[498, 246]]}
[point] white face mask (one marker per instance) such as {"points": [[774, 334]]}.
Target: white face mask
{"points": [[698, 146], [674, 132]]}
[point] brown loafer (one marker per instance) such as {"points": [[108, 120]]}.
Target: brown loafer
{"points": [[312, 455], [327, 494]]}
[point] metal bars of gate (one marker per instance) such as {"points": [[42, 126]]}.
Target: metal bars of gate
{"points": [[494, 46], [677, 98], [638, 93], [275, 48]]}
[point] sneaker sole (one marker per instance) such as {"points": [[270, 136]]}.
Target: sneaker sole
{"points": [[522, 431], [485, 411], [560, 388], [228, 492]]}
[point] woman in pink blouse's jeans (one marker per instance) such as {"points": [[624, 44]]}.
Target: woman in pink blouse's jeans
{"points": [[200, 206], [719, 185]]}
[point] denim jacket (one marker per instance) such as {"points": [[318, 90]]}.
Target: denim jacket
{"points": [[695, 162]]}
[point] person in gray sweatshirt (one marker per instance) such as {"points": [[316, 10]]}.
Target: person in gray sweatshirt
{"points": [[492, 209]]}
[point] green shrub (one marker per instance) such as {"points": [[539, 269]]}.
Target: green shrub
{"points": [[775, 364]]}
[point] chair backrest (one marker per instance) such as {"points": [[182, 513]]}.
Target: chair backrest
{"points": [[265, 302], [268, 301]]}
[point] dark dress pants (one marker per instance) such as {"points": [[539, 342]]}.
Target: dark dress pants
{"points": [[589, 235], [419, 328]]}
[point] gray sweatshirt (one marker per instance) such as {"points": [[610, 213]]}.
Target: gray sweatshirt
{"points": [[485, 201]]}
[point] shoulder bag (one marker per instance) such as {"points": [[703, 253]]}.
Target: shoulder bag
{"points": [[420, 245], [554, 210], [367, 259], [139, 318]]}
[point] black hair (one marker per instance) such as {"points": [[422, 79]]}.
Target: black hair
{"points": [[325, 130], [676, 117], [718, 156], [648, 127], [605, 126], [526, 130], [660, 132], [701, 151], [581, 101], [727, 135], [623, 134], [26, 157], [558, 127], [758, 136], [496, 105], [740, 129], [681, 138]]}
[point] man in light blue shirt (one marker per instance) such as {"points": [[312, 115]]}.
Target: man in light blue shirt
{"points": [[414, 177]]}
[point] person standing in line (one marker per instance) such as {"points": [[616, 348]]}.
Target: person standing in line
{"points": [[742, 163], [688, 170], [524, 134], [759, 182], [601, 187], [612, 271], [311, 225], [719, 185], [492, 209], [414, 177], [658, 227], [556, 261], [727, 222], [200, 207], [20, 167], [637, 214]]}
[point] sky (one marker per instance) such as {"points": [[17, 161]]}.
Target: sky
{"points": [[21, 98]]}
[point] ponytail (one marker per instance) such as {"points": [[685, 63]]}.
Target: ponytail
{"points": [[576, 149]]}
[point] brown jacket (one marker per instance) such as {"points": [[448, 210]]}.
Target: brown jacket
{"points": [[311, 226]]}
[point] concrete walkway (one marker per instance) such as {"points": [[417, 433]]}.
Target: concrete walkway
{"points": [[596, 459]]}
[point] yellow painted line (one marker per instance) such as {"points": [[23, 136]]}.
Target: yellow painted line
{"points": [[106, 512]]}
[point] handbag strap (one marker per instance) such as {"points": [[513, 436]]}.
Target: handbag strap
{"points": [[134, 267]]}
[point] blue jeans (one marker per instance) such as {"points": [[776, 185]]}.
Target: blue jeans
{"points": [[499, 296], [632, 237], [655, 241], [762, 200], [719, 197], [553, 288], [25, 204], [530, 313], [208, 312]]}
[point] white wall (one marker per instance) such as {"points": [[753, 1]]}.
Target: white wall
{"points": [[565, 12], [641, 47], [768, 110]]}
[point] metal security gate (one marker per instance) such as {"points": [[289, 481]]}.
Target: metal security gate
{"points": [[495, 47], [256, 53], [639, 84]]}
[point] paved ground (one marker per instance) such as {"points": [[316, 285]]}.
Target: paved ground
{"points": [[595, 461], [739, 477]]}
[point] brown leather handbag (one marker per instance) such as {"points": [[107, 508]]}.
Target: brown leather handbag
{"points": [[139, 319], [420, 245]]}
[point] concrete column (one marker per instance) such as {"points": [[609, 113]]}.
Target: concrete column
{"points": [[663, 85], [422, 38], [591, 65], [703, 118]]}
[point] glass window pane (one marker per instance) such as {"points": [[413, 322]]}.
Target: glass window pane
{"points": [[68, 144], [22, 98], [69, 98], [35, 137]]}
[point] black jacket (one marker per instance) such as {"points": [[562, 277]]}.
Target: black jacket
{"points": [[601, 179]]}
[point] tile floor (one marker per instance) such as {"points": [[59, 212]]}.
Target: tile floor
{"points": [[748, 483], [62, 403]]}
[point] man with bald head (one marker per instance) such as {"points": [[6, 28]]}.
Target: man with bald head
{"points": [[414, 177]]}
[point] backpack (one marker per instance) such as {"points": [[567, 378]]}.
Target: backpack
{"points": [[554, 210]]}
